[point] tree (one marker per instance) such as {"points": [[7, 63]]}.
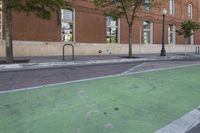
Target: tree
{"points": [[41, 8], [187, 29], [127, 8]]}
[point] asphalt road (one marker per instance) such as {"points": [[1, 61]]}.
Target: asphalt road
{"points": [[24, 79], [195, 129], [31, 78]]}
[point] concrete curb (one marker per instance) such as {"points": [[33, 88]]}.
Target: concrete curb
{"points": [[183, 124], [35, 66]]}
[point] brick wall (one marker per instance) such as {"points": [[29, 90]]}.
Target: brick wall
{"points": [[90, 24], [33, 28]]}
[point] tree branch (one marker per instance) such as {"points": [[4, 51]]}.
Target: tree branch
{"points": [[125, 11]]}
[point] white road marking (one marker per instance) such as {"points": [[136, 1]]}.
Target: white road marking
{"points": [[88, 114], [131, 69], [83, 97], [96, 78], [183, 124]]}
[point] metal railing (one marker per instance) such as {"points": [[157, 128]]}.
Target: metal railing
{"points": [[68, 44]]}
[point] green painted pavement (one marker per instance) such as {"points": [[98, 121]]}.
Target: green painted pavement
{"points": [[140, 103]]}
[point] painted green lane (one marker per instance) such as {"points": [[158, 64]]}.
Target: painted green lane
{"points": [[140, 103]]}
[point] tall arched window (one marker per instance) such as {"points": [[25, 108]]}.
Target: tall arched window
{"points": [[112, 30], [171, 7], [147, 32], [190, 11], [171, 34], [67, 25]]}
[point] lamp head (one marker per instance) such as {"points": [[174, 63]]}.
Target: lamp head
{"points": [[164, 11]]}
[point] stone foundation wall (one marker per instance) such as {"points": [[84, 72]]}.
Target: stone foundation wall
{"points": [[32, 48]]}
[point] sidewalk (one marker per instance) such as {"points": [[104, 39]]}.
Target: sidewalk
{"points": [[56, 62]]}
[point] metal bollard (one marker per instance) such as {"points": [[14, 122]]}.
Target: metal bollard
{"points": [[197, 50]]}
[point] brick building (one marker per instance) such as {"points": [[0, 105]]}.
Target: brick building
{"points": [[87, 26]]}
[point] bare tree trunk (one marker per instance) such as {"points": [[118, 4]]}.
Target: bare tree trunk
{"points": [[130, 54], [9, 43]]}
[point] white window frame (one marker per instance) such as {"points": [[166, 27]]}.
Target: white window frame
{"points": [[148, 30], [117, 27], [190, 11], [73, 22], [171, 7], [172, 32]]}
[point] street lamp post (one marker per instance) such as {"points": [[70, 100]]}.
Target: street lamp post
{"points": [[163, 51]]}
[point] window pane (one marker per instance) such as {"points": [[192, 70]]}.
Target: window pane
{"points": [[67, 31], [190, 11], [147, 5], [171, 7], [111, 22], [112, 35], [67, 25], [67, 15], [171, 28], [147, 32], [147, 37], [171, 34], [171, 38], [112, 30], [146, 25]]}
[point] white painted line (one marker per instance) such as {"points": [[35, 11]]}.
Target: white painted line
{"points": [[183, 124], [160, 69], [88, 114], [97, 78], [131, 69]]}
